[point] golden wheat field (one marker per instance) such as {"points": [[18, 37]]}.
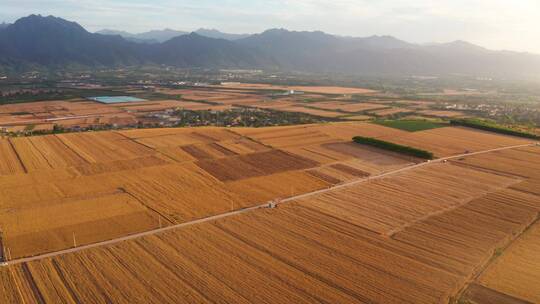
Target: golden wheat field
{"points": [[78, 188], [421, 233]]}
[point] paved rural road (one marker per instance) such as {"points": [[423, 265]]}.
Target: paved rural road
{"points": [[265, 205]]}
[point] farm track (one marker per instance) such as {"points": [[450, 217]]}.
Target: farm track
{"points": [[245, 210]]}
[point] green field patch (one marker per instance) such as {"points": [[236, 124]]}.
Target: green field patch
{"points": [[410, 125]]}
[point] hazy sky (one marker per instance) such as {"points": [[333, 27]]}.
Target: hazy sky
{"points": [[497, 24]]}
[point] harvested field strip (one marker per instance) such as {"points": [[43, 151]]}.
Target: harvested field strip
{"points": [[470, 233], [529, 186], [350, 170], [242, 146], [315, 154], [56, 152], [482, 295], [346, 131], [297, 140], [121, 165], [279, 137], [34, 229], [347, 106], [515, 273], [451, 140], [177, 154], [280, 185], [256, 164], [27, 195], [213, 135], [222, 150], [96, 148], [9, 289], [9, 160], [36, 177], [230, 169], [383, 205], [174, 140], [276, 161], [147, 133], [350, 274], [30, 156], [526, 164], [207, 151], [186, 192], [325, 177], [197, 152], [331, 175]]}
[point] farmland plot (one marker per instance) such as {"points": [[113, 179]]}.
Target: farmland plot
{"points": [[281, 137], [473, 232], [9, 161], [347, 106], [511, 162], [104, 146], [31, 157], [255, 164], [53, 225], [451, 140], [384, 206], [415, 237], [280, 185], [58, 155], [346, 131], [286, 250], [515, 273]]}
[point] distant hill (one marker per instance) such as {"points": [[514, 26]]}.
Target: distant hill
{"points": [[160, 36], [385, 55], [127, 36], [3, 25], [212, 33], [55, 42], [52, 41], [156, 36], [194, 50]]}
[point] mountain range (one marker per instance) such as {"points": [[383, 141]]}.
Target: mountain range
{"points": [[56, 43], [160, 36]]}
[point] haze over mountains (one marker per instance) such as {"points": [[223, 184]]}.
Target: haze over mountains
{"points": [[160, 36], [54, 42]]}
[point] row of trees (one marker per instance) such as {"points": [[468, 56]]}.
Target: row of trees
{"points": [[492, 127], [381, 144]]}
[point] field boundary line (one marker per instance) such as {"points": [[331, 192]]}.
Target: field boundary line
{"points": [[494, 258], [23, 166], [248, 209]]}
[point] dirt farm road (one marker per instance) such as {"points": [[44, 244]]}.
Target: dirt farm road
{"points": [[240, 211]]}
